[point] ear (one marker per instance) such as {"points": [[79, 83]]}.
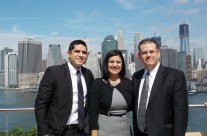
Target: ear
{"points": [[139, 55], [158, 53], [68, 53]]}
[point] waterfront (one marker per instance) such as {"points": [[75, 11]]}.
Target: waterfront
{"points": [[18, 99]]}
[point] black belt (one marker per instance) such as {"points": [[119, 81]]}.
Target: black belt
{"points": [[113, 114], [72, 126]]}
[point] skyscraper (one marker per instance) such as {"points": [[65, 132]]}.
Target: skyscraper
{"points": [[54, 55], [30, 61], [92, 63], [120, 40], [184, 38], [188, 67], [4, 51], [157, 39], [198, 54], [108, 44], [11, 79], [168, 57], [182, 61], [137, 38]]}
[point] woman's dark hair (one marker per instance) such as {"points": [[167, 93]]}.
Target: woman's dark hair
{"points": [[105, 70]]}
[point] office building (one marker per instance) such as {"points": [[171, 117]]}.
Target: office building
{"points": [[108, 44], [93, 63], [168, 57], [198, 54], [4, 51], [126, 57], [157, 39], [54, 55], [11, 74], [188, 67], [2, 78], [182, 61], [184, 37], [120, 40], [137, 38], [30, 61]]}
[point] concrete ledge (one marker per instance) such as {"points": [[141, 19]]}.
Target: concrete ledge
{"points": [[196, 134]]}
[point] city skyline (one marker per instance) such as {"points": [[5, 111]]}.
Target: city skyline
{"points": [[54, 22]]}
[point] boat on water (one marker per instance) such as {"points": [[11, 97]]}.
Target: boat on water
{"points": [[192, 92]]}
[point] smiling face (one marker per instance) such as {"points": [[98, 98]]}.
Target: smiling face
{"points": [[114, 65], [149, 55], [77, 56]]}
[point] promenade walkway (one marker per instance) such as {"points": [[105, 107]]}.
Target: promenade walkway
{"points": [[196, 134]]}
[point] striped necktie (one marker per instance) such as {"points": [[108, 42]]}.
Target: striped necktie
{"points": [[81, 113], [142, 103]]}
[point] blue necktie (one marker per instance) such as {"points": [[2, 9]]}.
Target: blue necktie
{"points": [[142, 103], [81, 113]]}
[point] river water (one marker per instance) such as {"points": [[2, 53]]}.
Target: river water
{"points": [[26, 120]]}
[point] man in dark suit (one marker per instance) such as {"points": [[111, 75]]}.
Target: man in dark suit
{"points": [[160, 96], [57, 102]]}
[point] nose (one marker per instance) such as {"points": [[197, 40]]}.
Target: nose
{"points": [[114, 64], [81, 53], [148, 53]]}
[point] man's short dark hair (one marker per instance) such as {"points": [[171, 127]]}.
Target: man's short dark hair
{"points": [[148, 40], [76, 42]]}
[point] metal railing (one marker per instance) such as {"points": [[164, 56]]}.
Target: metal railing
{"points": [[204, 105]]}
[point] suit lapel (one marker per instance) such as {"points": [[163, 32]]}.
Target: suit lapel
{"points": [[136, 86], [157, 82], [83, 70], [68, 81]]}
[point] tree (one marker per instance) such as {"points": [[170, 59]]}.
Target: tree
{"points": [[17, 131]]}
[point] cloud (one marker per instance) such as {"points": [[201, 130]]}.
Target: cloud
{"points": [[152, 10], [17, 18], [126, 4], [54, 33], [181, 1], [187, 12], [15, 29], [80, 17], [199, 1], [10, 39]]}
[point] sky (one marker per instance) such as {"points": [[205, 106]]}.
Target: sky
{"points": [[60, 22]]}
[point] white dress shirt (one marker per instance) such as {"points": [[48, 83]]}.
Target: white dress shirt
{"points": [[73, 119], [151, 81]]}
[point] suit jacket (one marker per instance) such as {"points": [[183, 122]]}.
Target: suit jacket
{"points": [[167, 110], [55, 97]]}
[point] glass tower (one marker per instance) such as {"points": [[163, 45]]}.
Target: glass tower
{"points": [[108, 44], [29, 62], [4, 51], [11, 70], [54, 55], [184, 38], [120, 40]]}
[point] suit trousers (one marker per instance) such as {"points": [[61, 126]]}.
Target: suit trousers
{"points": [[72, 131], [139, 133]]}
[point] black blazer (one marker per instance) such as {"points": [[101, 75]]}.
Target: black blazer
{"points": [[54, 99], [167, 110]]}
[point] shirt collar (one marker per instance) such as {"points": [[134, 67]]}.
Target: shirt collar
{"points": [[152, 72], [73, 70]]}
